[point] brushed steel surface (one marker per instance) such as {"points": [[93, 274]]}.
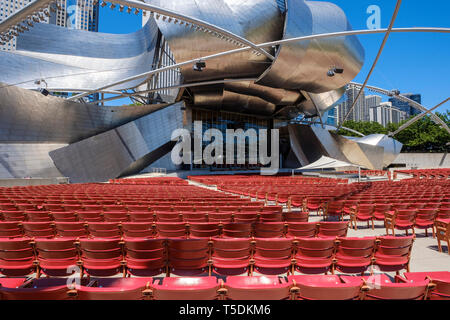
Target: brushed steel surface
{"points": [[392, 147], [304, 65], [77, 59], [24, 160], [112, 153], [365, 155], [29, 116], [258, 21]]}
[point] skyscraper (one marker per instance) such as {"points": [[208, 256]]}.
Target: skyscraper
{"points": [[7, 8], [386, 113], [73, 14], [373, 101], [359, 113], [406, 107]]}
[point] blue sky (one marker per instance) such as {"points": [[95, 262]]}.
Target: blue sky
{"points": [[411, 62]]}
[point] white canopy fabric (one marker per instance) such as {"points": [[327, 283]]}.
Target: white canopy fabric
{"points": [[327, 163]]}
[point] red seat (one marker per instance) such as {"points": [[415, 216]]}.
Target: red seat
{"points": [[380, 211], [16, 257], [231, 256], [38, 216], [222, 217], [332, 229], [440, 279], [116, 216], [257, 288], [246, 217], [269, 229], [443, 213], [13, 216], [116, 289], [363, 212], [192, 288], [114, 208], [10, 230], [90, 216], [138, 230], [272, 256], [11, 283], [56, 257], [270, 217], [101, 257], [320, 287], [354, 255], [296, 216], [392, 291], [393, 253], [141, 217], [194, 216], [145, 257], [38, 229], [65, 216], [312, 203], [400, 220], [314, 255], [71, 230], [302, 229], [204, 229], [237, 230], [334, 208], [109, 230], [53, 207], [169, 217], [171, 229], [188, 257], [425, 220], [39, 289]]}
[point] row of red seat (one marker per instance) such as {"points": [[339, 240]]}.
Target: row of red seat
{"points": [[171, 229], [249, 180], [224, 215], [443, 173], [410, 286], [227, 256], [151, 181]]}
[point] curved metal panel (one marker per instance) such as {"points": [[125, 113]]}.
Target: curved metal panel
{"points": [[77, 59], [320, 102], [28, 116], [304, 65], [258, 21], [392, 147], [120, 150]]}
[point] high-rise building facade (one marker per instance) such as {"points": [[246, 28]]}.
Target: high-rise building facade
{"points": [[386, 113], [359, 113], [7, 8], [78, 14], [73, 14], [373, 101], [405, 106]]}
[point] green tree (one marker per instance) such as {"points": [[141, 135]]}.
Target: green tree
{"points": [[422, 136]]}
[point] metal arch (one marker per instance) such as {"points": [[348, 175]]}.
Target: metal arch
{"points": [[35, 6], [267, 44], [413, 103], [417, 118], [354, 131], [380, 51]]}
